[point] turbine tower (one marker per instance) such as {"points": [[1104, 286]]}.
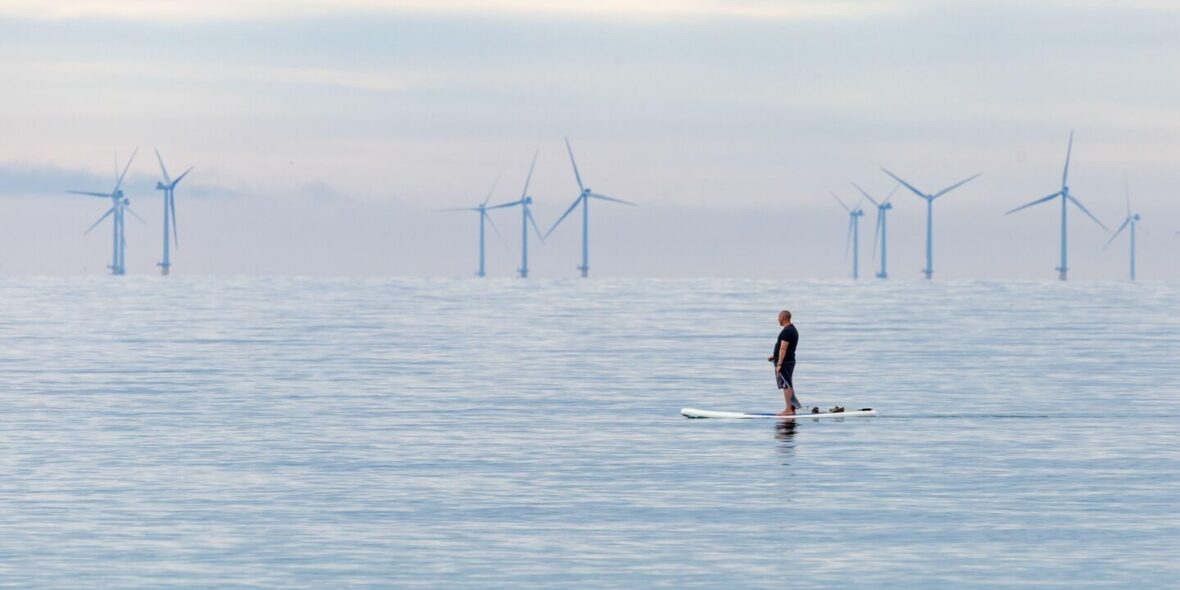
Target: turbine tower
{"points": [[854, 215], [119, 204], [169, 188], [526, 219], [584, 200], [879, 234], [1066, 199], [483, 209], [1131, 221], [929, 270]]}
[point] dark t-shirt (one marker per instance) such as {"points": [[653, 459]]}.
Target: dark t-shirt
{"points": [[789, 334]]}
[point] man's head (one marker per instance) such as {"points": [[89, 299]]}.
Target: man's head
{"points": [[784, 317]]}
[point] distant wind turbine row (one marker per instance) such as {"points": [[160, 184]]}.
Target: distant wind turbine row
{"points": [[120, 204], [1067, 198], [528, 221]]}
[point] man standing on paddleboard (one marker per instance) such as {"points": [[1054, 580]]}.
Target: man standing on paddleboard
{"points": [[784, 362]]}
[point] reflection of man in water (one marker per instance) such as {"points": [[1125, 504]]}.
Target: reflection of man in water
{"points": [[784, 362]]}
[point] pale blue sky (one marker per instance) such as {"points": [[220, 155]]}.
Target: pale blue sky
{"points": [[325, 133]]}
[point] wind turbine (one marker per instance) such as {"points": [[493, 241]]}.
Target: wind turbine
{"points": [[483, 209], [526, 218], [929, 270], [879, 231], [583, 199], [1066, 199], [119, 204], [854, 215], [1131, 221], [169, 188]]}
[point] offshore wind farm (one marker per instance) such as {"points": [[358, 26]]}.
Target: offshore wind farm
{"points": [[413, 338], [120, 205]]}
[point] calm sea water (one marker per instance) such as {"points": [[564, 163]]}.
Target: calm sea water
{"points": [[300, 433]]}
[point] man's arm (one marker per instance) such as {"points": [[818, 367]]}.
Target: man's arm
{"points": [[782, 353]]}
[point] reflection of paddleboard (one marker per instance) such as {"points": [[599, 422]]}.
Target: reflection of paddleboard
{"points": [[694, 413]]}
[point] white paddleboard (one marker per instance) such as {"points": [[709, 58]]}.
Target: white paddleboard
{"points": [[695, 413]]}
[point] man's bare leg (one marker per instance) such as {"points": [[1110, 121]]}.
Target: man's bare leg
{"points": [[788, 395]]}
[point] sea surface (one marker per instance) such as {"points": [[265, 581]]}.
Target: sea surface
{"points": [[345, 433]]}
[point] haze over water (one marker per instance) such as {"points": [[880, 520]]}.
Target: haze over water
{"points": [[319, 433]]}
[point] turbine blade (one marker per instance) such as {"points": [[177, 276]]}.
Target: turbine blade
{"points": [[528, 213], [954, 186], [524, 193], [612, 199], [890, 195], [839, 201], [167, 179], [1036, 202], [866, 195], [493, 189], [500, 206], [575, 164], [119, 182], [1086, 211], [91, 194], [848, 240], [877, 232], [181, 177], [1068, 151], [573, 206], [906, 184], [1127, 192], [95, 224], [172, 207], [459, 209], [493, 225], [1126, 222], [128, 209]]}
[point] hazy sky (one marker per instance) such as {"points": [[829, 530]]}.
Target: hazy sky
{"points": [[325, 134]]}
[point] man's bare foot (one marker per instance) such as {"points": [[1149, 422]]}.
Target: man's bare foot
{"points": [[786, 412]]}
